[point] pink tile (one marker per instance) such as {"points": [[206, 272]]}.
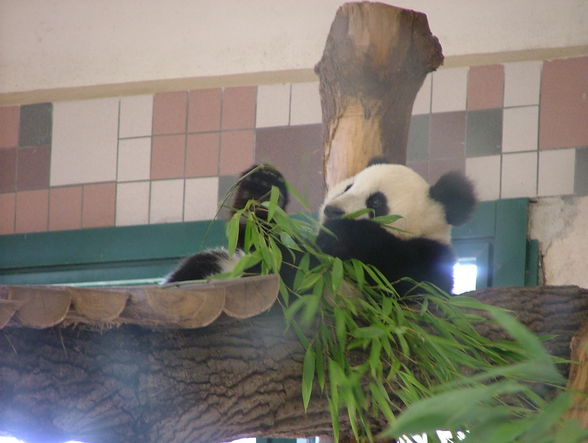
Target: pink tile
{"points": [[7, 213], [33, 168], [485, 87], [65, 208], [239, 107], [564, 106], [202, 154], [9, 126], [204, 110], [167, 156], [169, 112], [98, 205], [236, 151], [7, 169], [32, 211]]}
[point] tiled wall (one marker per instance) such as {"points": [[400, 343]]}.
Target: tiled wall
{"points": [[518, 129]]}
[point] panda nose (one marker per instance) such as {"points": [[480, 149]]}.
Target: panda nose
{"points": [[332, 212]]}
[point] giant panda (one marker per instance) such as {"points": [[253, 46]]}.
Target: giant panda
{"points": [[417, 247]]}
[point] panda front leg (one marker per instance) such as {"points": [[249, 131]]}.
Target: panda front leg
{"points": [[255, 184]]}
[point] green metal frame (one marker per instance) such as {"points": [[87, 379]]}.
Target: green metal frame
{"points": [[129, 253], [496, 238]]}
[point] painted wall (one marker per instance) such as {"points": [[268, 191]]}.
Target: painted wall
{"points": [[47, 44]]}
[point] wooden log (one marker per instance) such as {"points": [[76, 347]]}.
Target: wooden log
{"points": [[234, 378], [375, 60], [578, 380]]}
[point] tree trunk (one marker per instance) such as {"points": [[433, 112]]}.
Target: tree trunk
{"points": [[375, 60], [231, 379]]}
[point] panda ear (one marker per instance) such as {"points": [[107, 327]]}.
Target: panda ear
{"points": [[456, 193]]}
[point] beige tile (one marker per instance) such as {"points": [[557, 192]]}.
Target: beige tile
{"points": [[520, 129], [521, 83], [422, 101], [556, 172], [273, 105], [201, 200], [132, 203], [449, 90], [519, 175], [32, 211], [167, 201], [136, 116], [84, 142], [134, 159], [98, 205], [485, 173], [306, 104], [65, 208]]}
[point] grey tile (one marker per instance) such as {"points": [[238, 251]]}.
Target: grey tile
{"points": [[418, 138], [225, 185], [35, 124], [484, 132], [581, 174]]}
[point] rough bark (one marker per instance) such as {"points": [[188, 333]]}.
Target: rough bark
{"points": [[231, 379], [375, 60]]}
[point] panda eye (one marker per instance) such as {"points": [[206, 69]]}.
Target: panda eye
{"points": [[378, 203]]}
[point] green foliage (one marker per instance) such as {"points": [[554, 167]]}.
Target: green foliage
{"points": [[372, 353]]}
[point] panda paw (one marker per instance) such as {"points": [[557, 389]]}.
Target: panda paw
{"points": [[256, 184]]}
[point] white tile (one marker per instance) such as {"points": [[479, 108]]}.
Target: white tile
{"points": [[306, 104], [519, 175], [132, 203], [273, 105], [520, 127], [485, 173], [134, 159], [201, 201], [450, 88], [556, 172], [84, 141], [136, 116], [522, 81], [422, 101], [167, 201]]}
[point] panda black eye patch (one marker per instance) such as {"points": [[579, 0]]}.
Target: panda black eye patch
{"points": [[378, 203]]}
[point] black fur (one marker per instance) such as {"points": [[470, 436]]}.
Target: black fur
{"points": [[456, 193], [199, 266], [419, 258]]}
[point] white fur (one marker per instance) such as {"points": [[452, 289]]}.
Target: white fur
{"points": [[407, 194]]}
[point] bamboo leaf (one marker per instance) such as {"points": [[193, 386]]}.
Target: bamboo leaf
{"points": [[308, 375]]}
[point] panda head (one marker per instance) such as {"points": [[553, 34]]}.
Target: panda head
{"points": [[390, 189]]}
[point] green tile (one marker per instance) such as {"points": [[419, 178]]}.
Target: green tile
{"points": [[36, 124], [418, 138], [484, 132], [581, 174]]}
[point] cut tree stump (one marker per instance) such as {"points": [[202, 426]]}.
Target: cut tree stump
{"points": [[375, 60]]}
